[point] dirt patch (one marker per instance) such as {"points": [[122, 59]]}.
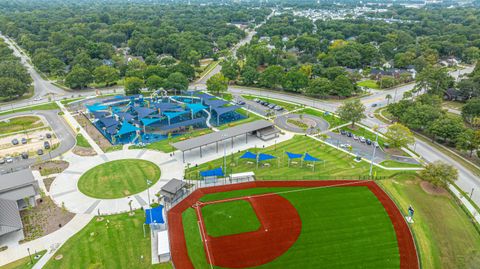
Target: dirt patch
{"points": [[45, 218], [48, 182], [82, 151], [395, 151], [51, 167], [93, 132], [432, 189]]}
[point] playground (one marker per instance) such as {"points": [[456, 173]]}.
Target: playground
{"points": [[143, 120], [283, 224]]}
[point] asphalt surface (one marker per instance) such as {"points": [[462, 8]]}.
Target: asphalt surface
{"points": [[282, 122], [61, 129]]}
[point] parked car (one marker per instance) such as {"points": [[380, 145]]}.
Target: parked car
{"points": [[265, 103], [240, 102], [370, 115], [41, 137], [9, 159], [343, 132], [24, 140], [40, 152], [368, 141], [37, 99], [24, 155], [2, 160], [349, 134], [15, 141], [46, 145], [271, 106], [48, 135], [256, 100], [278, 108], [374, 105], [355, 137], [362, 139]]}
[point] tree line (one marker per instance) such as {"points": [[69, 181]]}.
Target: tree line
{"points": [[15, 80]]}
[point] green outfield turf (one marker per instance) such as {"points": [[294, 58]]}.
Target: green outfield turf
{"points": [[228, 218], [342, 227]]}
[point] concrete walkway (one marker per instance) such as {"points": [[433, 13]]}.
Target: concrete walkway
{"points": [[64, 188]]}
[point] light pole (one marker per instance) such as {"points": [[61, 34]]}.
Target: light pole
{"points": [[471, 193], [374, 150], [30, 255], [224, 153]]}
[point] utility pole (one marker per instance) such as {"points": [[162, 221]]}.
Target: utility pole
{"points": [[373, 155]]}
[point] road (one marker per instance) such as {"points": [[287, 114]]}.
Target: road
{"points": [[59, 126]]}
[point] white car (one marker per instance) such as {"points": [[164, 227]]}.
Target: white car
{"points": [[370, 115], [37, 99], [9, 159]]}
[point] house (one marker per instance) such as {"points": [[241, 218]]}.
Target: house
{"points": [[17, 192], [452, 94]]}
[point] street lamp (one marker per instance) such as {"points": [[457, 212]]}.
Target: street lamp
{"points": [[374, 150]]}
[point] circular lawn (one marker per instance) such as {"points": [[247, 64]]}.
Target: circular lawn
{"points": [[117, 179]]}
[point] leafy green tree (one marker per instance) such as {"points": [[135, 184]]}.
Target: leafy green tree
{"points": [[343, 86], [352, 110], [78, 78], [447, 128], [471, 111], [319, 87], [387, 82], [271, 77], [294, 81], [106, 74], [56, 67], [388, 97], [217, 83], [154, 82], [230, 68], [12, 88], [434, 80], [176, 81], [399, 135], [439, 174], [249, 75], [133, 85], [468, 140]]}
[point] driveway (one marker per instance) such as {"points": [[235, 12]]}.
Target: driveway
{"points": [[313, 122], [61, 129]]}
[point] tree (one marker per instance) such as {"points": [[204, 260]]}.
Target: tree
{"points": [[471, 111], [399, 136], [434, 80], [447, 128], [12, 88], [217, 83], [106, 74], [78, 78], [468, 140], [352, 111], [294, 81], [249, 75], [439, 174], [343, 86], [154, 82], [230, 68], [319, 87], [176, 81], [133, 85], [388, 97], [271, 77]]}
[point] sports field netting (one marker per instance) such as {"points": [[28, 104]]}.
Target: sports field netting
{"points": [[342, 227]]}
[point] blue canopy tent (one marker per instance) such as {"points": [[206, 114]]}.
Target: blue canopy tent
{"points": [[148, 121], [293, 156], [168, 107], [194, 108], [153, 216], [214, 103], [127, 128], [249, 155], [264, 157], [310, 158], [171, 115], [214, 173], [95, 108], [99, 114]]}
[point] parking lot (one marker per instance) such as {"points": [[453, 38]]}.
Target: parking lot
{"points": [[258, 107]]}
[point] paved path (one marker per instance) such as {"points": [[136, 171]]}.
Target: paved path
{"points": [[64, 188], [317, 123]]}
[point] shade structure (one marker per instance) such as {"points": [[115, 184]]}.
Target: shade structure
{"points": [[171, 115], [204, 96], [196, 107], [293, 155], [143, 112], [94, 108], [147, 121], [99, 114], [225, 109], [265, 157], [167, 107], [249, 155], [197, 121], [108, 121], [215, 103], [127, 128], [217, 172], [125, 116], [154, 215], [310, 158]]}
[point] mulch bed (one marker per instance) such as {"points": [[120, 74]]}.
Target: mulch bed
{"points": [[82, 151], [432, 189], [93, 132], [48, 182], [51, 167], [178, 247], [45, 218]]}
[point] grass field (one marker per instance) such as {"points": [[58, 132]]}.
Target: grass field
{"points": [[47, 106], [20, 123], [82, 142], [24, 263], [332, 120], [118, 179], [391, 163], [338, 165], [228, 218], [118, 244], [341, 228], [285, 105], [369, 83], [445, 236]]}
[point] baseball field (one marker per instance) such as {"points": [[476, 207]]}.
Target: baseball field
{"points": [[290, 224]]}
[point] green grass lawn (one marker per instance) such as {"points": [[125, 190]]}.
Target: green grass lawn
{"points": [[229, 218], [24, 263], [285, 105], [338, 165], [118, 244], [82, 142], [118, 179], [71, 100], [164, 145], [250, 117], [47, 106], [341, 228], [298, 123], [332, 120], [391, 163], [369, 83], [445, 236], [20, 123]]}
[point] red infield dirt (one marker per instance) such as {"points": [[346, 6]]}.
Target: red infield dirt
{"points": [[178, 247]]}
